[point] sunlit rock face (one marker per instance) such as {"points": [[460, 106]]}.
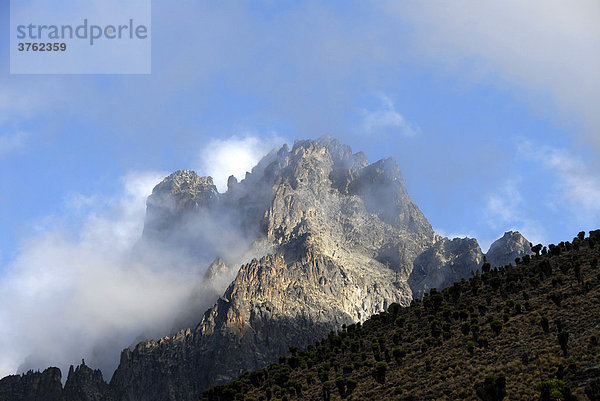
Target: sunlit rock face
{"points": [[341, 235]]}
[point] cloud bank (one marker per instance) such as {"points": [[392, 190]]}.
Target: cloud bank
{"points": [[387, 120], [549, 48], [576, 185], [505, 210], [85, 286], [235, 156], [82, 293]]}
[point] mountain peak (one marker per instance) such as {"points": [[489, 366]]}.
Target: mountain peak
{"points": [[185, 182], [175, 196], [504, 250], [316, 238]]}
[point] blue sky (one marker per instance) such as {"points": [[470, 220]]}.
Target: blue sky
{"points": [[491, 109], [472, 107]]}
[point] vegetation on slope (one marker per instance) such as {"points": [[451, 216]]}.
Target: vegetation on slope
{"points": [[526, 332]]}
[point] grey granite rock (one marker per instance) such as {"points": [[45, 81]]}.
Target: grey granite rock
{"points": [[338, 255], [505, 250], [444, 263]]}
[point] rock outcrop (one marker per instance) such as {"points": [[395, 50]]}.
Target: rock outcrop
{"points": [[173, 199], [448, 260], [343, 236], [33, 386], [505, 250], [444, 263], [86, 384], [83, 384]]}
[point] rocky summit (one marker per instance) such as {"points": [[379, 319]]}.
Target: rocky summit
{"points": [[314, 237], [448, 261]]}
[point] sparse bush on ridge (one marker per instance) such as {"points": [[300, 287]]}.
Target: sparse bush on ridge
{"points": [[531, 320]]}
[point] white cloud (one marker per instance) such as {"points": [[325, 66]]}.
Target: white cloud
{"points": [[547, 47], [505, 211], [386, 120], [123, 225], [453, 234], [578, 185], [484, 243], [65, 297], [504, 205], [10, 143], [221, 158]]}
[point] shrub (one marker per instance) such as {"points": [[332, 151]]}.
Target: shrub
{"points": [[556, 298], [496, 326], [326, 391], [554, 390], [399, 354], [436, 329], [492, 388], [394, 308], [296, 387], [340, 383], [256, 377], [545, 324], [294, 362], [470, 347], [563, 339], [380, 371]]}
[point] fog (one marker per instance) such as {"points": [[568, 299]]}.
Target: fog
{"points": [[83, 285]]}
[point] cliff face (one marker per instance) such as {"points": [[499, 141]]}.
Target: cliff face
{"points": [[33, 386], [444, 263], [323, 239], [342, 236], [451, 260], [86, 384], [440, 360]]}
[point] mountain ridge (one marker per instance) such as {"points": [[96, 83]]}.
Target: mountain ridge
{"points": [[523, 331], [331, 240]]}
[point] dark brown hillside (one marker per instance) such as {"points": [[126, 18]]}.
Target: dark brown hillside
{"points": [[523, 332]]}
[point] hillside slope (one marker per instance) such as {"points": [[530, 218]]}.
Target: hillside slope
{"points": [[524, 332]]}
